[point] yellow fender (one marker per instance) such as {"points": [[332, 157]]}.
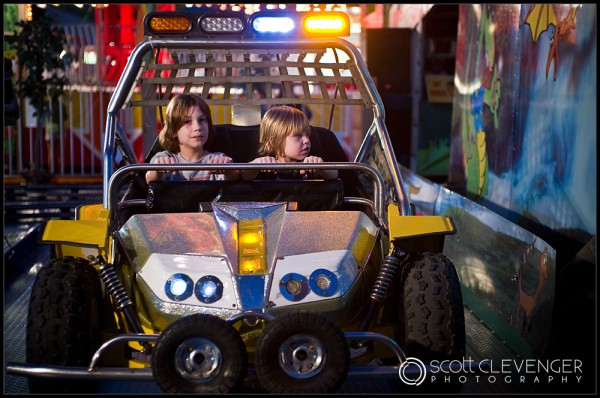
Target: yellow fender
{"points": [[78, 238], [76, 232], [418, 233]]}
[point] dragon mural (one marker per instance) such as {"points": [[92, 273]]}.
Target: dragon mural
{"points": [[544, 17]]}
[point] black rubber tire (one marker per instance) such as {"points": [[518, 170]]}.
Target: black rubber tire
{"points": [[64, 322], [192, 333], [431, 324], [305, 328], [432, 320]]}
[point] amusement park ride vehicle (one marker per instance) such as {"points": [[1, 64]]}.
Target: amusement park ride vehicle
{"points": [[204, 286]]}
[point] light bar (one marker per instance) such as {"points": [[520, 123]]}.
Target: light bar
{"points": [[273, 24]]}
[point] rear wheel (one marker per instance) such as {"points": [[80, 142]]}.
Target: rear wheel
{"points": [[302, 352], [63, 322], [431, 322]]}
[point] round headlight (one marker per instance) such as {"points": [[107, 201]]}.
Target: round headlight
{"points": [[179, 287], [293, 287], [323, 282], [209, 289]]}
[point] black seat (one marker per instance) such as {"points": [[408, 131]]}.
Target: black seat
{"points": [[241, 143]]}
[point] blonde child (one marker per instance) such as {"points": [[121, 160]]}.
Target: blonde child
{"points": [[285, 138], [187, 128]]}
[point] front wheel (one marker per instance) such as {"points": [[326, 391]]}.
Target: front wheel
{"points": [[199, 353], [64, 321], [302, 352], [431, 321]]}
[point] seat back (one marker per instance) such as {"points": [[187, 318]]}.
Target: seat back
{"points": [[241, 143]]}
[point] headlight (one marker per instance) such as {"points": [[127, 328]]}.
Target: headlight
{"points": [[293, 287], [209, 289], [179, 287], [323, 282]]}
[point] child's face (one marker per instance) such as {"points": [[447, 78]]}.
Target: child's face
{"points": [[297, 147], [194, 132]]}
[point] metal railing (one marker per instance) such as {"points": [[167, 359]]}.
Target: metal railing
{"points": [[71, 139], [72, 147]]}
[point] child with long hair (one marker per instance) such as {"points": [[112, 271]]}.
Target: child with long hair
{"points": [[285, 138], [188, 127]]}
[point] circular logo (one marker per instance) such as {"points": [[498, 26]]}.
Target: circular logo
{"points": [[412, 372]]}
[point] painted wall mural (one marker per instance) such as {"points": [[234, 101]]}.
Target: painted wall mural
{"points": [[524, 116]]}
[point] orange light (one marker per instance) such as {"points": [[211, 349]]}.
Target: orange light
{"points": [[28, 13], [327, 24], [170, 24], [251, 247]]}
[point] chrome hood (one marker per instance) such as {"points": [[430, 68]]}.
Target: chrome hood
{"points": [[307, 256]]}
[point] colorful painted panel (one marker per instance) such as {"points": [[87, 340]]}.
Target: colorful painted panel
{"points": [[524, 117]]}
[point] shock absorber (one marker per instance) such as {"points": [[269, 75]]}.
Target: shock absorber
{"points": [[117, 291], [382, 284]]}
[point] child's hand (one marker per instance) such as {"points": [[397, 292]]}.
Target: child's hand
{"points": [[311, 173], [165, 160], [313, 159], [158, 175], [265, 159], [219, 159], [326, 174]]}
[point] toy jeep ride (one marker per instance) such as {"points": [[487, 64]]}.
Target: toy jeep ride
{"points": [[210, 286]]}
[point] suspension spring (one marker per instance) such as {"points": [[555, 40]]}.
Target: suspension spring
{"points": [[385, 277], [117, 292], [113, 285]]}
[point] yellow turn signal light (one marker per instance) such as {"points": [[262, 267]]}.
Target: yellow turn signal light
{"points": [[330, 24], [169, 24], [251, 247]]}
